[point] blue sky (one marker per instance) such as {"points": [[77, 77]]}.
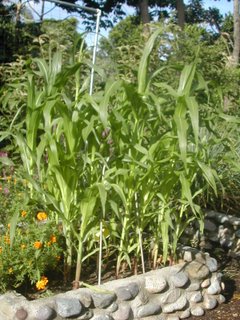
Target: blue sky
{"points": [[223, 5]]}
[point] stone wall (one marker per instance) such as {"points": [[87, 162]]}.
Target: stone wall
{"points": [[170, 293], [220, 231]]}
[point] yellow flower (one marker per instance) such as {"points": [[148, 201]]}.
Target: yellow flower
{"points": [[41, 284], [37, 244], [41, 216], [0, 250], [23, 246], [23, 213], [9, 178], [10, 270], [48, 243]]}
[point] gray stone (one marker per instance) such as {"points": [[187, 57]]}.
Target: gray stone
{"points": [[67, 307], [221, 299], [113, 307], [147, 310], [206, 283], [237, 233], [180, 279], [188, 257], [134, 288], [209, 302], [194, 286], [45, 313], [196, 297], [214, 288], [172, 317], [154, 285], [141, 299], [124, 312], [178, 305], [197, 311], [209, 226], [21, 314], [102, 317], [185, 314], [197, 270], [84, 296], [211, 264], [170, 296], [103, 300], [200, 257], [124, 294], [85, 315]]}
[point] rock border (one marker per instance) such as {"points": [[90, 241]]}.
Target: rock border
{"points": [[171, 293]]}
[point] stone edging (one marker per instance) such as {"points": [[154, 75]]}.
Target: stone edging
{"points": [[170, 293]]}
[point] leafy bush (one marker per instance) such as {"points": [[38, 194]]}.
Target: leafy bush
{"points": [[35, 247]]}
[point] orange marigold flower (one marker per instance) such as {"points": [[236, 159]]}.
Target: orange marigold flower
{"points": [[41, 284], [7, 239], [23, 213], [53, 239], [41, 216], [37, 244]]}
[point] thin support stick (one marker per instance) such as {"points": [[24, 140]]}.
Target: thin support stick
{"points": [[139, 233], [95, 50]]}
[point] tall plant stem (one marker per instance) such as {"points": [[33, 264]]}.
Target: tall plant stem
{"points": [[139, 232], [68, 259], [123, 235], [100, 253], [79, 265]]}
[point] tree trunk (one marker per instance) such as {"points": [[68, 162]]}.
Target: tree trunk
{"points": [[144, 14], [236, 34], [180, 13]]}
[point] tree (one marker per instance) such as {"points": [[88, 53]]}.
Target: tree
{"points": [[236, 33]]}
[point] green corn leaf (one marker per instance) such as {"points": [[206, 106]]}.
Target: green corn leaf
{"points": [[103, 196], [181, 124], [120, 192], [209, 175], [86, 207], [194, 116], [144, 62], [89, 128], [104, 104], [44, 70], [186, 79], [186, 190]]}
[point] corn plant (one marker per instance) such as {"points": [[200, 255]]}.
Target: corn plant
{"points": [[134, 155]]}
